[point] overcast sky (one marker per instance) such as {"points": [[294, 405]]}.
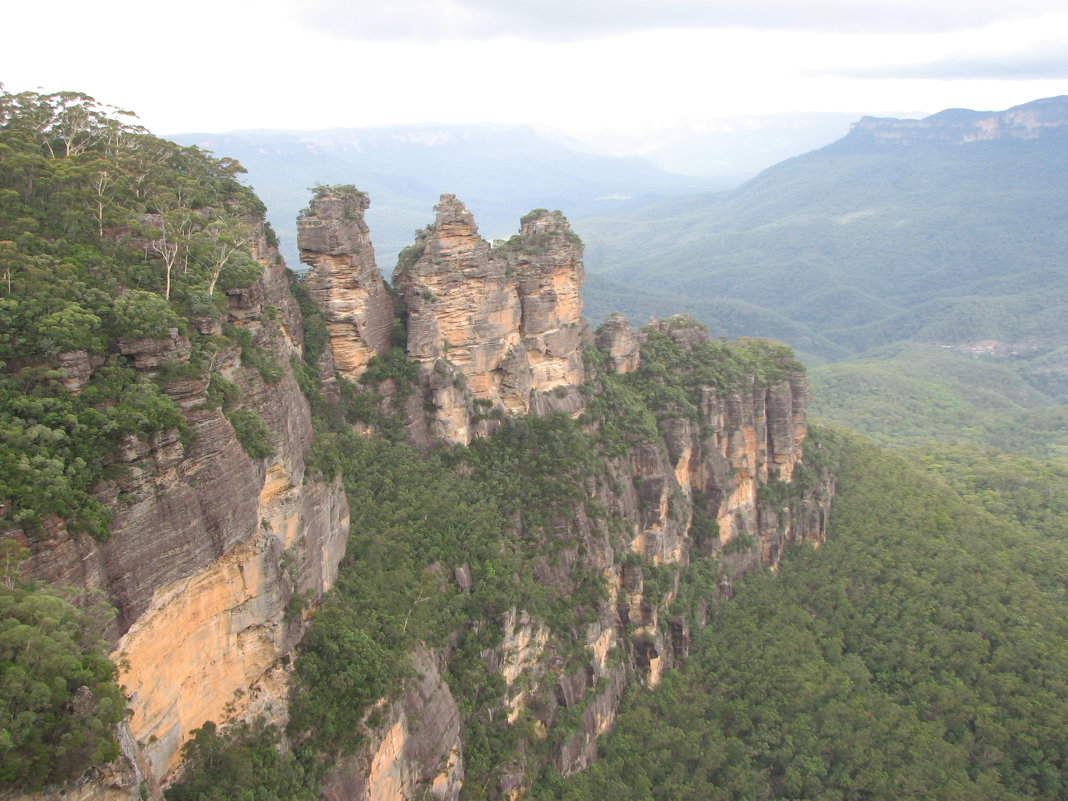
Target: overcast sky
{"points": [[579, 65]]}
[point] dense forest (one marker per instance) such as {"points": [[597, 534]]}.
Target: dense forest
{"points": [[920, 652]]}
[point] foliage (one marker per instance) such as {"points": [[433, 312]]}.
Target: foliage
{"points": [[107, 234], [672, 377], [59, 702], [54, 444], [244, 762], [316, 335], [251, 432], [911, 394], [920, 653]]}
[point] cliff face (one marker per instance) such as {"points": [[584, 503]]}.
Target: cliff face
{"points": [[344, 280], [214, 554], [493, 329], [209, 546], [415, 752], [1038, 119], [696, 492]]}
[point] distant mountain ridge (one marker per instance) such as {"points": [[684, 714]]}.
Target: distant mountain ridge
{"points": [[959, 237], [501, 172], [1039, 118]]}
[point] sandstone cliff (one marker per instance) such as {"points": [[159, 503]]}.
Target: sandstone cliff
{"points": [[493, 328], [344, 280], [1046, 118], [215, 554], [490, 327], [211, 550]]}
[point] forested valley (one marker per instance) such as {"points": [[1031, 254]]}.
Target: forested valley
{"points": [[920, 651]]}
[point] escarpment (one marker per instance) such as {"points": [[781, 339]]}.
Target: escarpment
{"points": [[213, 551], [493, 329], [693, 461], [599, 492]]}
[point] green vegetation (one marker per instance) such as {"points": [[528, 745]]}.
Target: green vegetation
{"points": [[59, 703], [243, 763], [251, 432], [920, 653], [858, 245], [909, 394], [113, 244], [53, 443], [669, 381], [108, 236]]}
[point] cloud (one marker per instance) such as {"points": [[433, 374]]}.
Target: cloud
{"points": [[1047, 64], [562, 20]]}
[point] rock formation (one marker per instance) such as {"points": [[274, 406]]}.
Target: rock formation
{"points": [[493, 328], [617, 339], [209, 547], [1043, 118], [696, 489], [213, 553], [344, 280]]}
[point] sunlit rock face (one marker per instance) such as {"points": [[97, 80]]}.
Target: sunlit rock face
{"points": [[344, 280], [208, 545], [414, 752], [494, 329]]}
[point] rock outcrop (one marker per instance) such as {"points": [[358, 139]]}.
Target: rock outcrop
{"points": [[1038, 119], [216, 557], [344, 280], [698, 489], [415, 751], [616, 338], [493, 328], [210, 549]]}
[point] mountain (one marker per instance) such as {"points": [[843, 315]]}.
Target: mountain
{"points": [[342, 541], [502, 172], [335, 540], [946, 230]]}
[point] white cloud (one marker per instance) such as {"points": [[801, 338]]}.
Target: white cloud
{"points": [[563, 20], [215, 64]]}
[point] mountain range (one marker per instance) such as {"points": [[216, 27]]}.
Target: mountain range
{"points": [[946, 230]]}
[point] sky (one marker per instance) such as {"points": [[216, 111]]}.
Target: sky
{"points": [[583, 66]]}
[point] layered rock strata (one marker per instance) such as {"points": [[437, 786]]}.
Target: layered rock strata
{"points": [[344, 280], [493, 328], [416, 750], [209, 547], [697, 490]]}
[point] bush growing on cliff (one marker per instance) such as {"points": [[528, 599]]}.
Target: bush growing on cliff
{"points": [[59, 703], [53, 443], [242, 763], [919, 653], [252, 433]]}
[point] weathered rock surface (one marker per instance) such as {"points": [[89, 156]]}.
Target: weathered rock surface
{"points": [[618, 340], [344, 280], [416, 751], [492, 328], [208, 545], [710, 470], [1047, 117]]}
